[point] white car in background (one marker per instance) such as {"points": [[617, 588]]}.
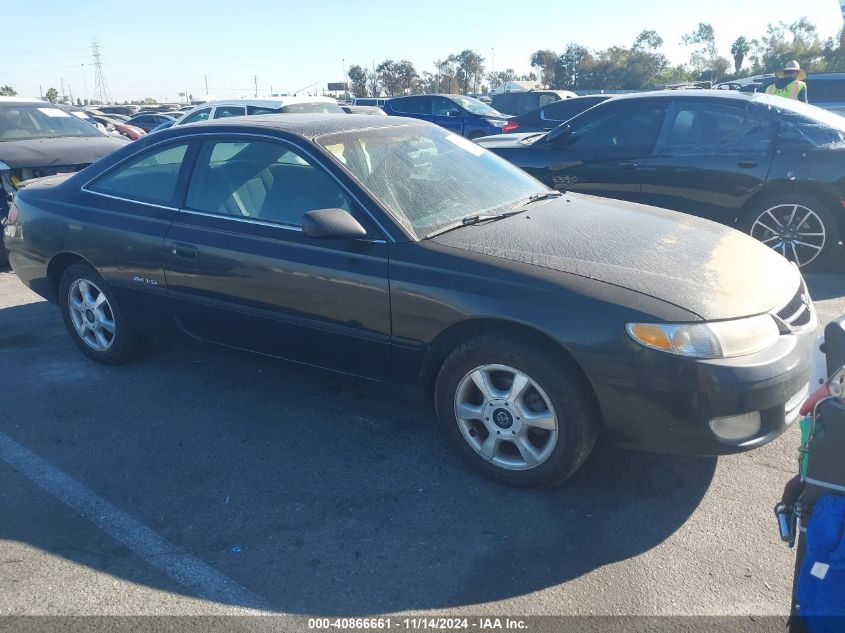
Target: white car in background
{"points": [[251, 107]]}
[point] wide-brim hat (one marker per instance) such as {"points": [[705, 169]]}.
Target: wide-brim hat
{"points": [[793, 65]]}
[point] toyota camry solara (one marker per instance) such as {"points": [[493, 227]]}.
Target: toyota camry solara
{"points": [[392, 249]]}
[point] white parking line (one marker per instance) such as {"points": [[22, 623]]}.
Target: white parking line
{"points": [[195, 575]]}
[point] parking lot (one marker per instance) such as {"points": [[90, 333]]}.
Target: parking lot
{"points": [[196, 482]]}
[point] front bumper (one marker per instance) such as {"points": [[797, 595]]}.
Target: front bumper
{"points": [[663, 403]]}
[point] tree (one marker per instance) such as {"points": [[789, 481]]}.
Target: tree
{"points": [[545, 61], [149, 101], [568, 67], [705, 57], [447, 71], [78, 102], [7, 91], [784, 42], [739, 49], [500, 77], [648, 40], [388, 76], [406, 76], [52, 95], [359, 78], [469, 67]]}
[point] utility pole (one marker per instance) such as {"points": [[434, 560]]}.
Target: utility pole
{"points": [[492, 60], [206, 84], [62, 85], [84, 85], [255, 79]]}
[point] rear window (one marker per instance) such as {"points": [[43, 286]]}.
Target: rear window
{"points": [[19, 121]]}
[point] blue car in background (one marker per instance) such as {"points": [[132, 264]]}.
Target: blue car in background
{"points": [[462, 115]]}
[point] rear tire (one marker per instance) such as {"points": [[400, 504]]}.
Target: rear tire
{"points": [[535, 425], [801, 227], [93, 317]]}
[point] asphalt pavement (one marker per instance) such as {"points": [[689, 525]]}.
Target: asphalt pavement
{"points": [[196, 482]]}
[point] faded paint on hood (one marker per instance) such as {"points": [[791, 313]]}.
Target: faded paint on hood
{"points": [[52, 152], [706, 268]]}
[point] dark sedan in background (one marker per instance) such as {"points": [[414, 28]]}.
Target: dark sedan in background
{"points": [[548, 117], [773, 167], [460, 114], [41, 139], [151, 120], [389, 248]]}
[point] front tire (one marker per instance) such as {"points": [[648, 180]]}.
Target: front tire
{"points": [[800, 227], [515, 411], [93, 317]]}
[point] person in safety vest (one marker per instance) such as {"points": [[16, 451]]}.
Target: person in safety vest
{"points": [[790, 83]]}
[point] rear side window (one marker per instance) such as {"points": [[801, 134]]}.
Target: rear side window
{"points": [[223, 112], [411, 105], [707, 128], [201, 115], [260, 180], [565, 109], [151, 178], [546, 99], [524, 102], [251, 110]]}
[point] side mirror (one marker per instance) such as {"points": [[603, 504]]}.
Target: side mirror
{"points": [[559, 133], [332, 224]]}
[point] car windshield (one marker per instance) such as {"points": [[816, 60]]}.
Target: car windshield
{"points": [[427, 177], [313, 107], [475, 106], [19, 121]]}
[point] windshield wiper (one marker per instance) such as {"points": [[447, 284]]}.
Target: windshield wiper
{"points": [[542, 195], [474, 219]]}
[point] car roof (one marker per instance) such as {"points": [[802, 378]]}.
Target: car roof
{"points": [[693, 94], [304, 125], [23, 100], [270, 102]]}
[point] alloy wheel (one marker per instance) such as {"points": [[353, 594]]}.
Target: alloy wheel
{"points": [[506, 417], [91, 314], [795, 231]]}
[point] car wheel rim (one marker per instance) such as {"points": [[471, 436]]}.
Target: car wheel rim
{"points": [[506, 417], [793, 230], [91, 314]]}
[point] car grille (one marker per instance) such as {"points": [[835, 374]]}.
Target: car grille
{"points": [[798, 314]]}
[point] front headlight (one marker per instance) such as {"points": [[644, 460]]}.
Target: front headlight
{"points": [[715, 339]]}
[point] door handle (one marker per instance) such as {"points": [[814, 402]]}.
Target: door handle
{"points": [[746, 164], [185, 251], [628, 165]]}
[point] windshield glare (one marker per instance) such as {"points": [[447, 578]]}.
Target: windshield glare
{"points": [[20, 121], [475, 106], [427, 177]]}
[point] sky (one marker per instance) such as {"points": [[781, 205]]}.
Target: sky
{"points": [[159, 48]]}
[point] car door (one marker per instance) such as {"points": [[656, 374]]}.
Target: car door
{"points": [[446, 113], [129, 209], [710, 158], [241, 273], [604, 153]]}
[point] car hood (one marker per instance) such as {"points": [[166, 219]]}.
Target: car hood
{"points": [[705, 268], [48, 152]]}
